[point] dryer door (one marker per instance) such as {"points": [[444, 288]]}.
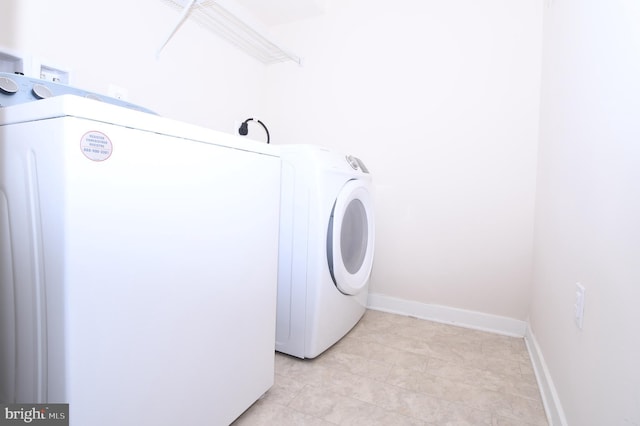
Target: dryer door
{"points": [[350, 238]]}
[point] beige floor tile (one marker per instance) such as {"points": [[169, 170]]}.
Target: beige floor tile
{"points": [[452, 414], [397, 370], [381, 352], [525, 408], [436, 386], [269, 414], [487, 400], [382, 394], [436, 411], [507, 421], [416, 331], [324, 404], [356, 364], [526, 370], [283, 390], [319, 375], [526, 387]]}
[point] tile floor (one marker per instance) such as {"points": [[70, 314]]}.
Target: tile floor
{"points": [[397, 370]]}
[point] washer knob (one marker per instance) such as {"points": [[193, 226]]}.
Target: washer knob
{"points": [[8, 86], [41, 92]]}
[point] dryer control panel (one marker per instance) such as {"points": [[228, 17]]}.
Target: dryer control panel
{"points": [[16, 89], [356, 163]]}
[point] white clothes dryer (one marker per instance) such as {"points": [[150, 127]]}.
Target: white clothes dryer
{"points": [[327, 236]]}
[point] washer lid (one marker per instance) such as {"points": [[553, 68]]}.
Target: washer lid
{"points": [[350, 238]]}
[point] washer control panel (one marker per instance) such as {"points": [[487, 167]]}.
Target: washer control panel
{"points": [[17, 89]]}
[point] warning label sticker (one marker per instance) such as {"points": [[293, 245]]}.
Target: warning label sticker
{"points": [[96, 146]]}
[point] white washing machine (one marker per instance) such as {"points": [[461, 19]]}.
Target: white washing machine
{"points": [[327, 234], [138, 262]]}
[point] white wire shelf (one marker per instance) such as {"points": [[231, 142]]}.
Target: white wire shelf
{"points": [[221, 17]]}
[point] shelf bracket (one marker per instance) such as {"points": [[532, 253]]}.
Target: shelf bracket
{"points": [[183, 16]]}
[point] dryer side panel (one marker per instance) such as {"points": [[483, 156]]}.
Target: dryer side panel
{"points": [[292, 268]]}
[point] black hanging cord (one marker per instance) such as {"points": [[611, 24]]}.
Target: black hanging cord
{"points": [[244, 128]]}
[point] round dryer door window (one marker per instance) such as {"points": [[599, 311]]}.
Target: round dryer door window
{"points": [[350, 237]]}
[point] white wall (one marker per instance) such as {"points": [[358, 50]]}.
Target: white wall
{"points": [[440, 100], [8, 23], [588, 209], [198, 78]]}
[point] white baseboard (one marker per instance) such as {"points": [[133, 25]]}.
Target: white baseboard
{"points": [[447, 315], [550, 399]]}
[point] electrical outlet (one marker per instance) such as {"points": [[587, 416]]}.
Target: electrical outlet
{"points": [[579, 305], [53, 74]]}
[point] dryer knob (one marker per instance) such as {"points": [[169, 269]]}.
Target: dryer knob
{"points": [[353, 162]]}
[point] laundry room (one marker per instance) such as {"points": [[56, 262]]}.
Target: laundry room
{"points": [[498, 139]]}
